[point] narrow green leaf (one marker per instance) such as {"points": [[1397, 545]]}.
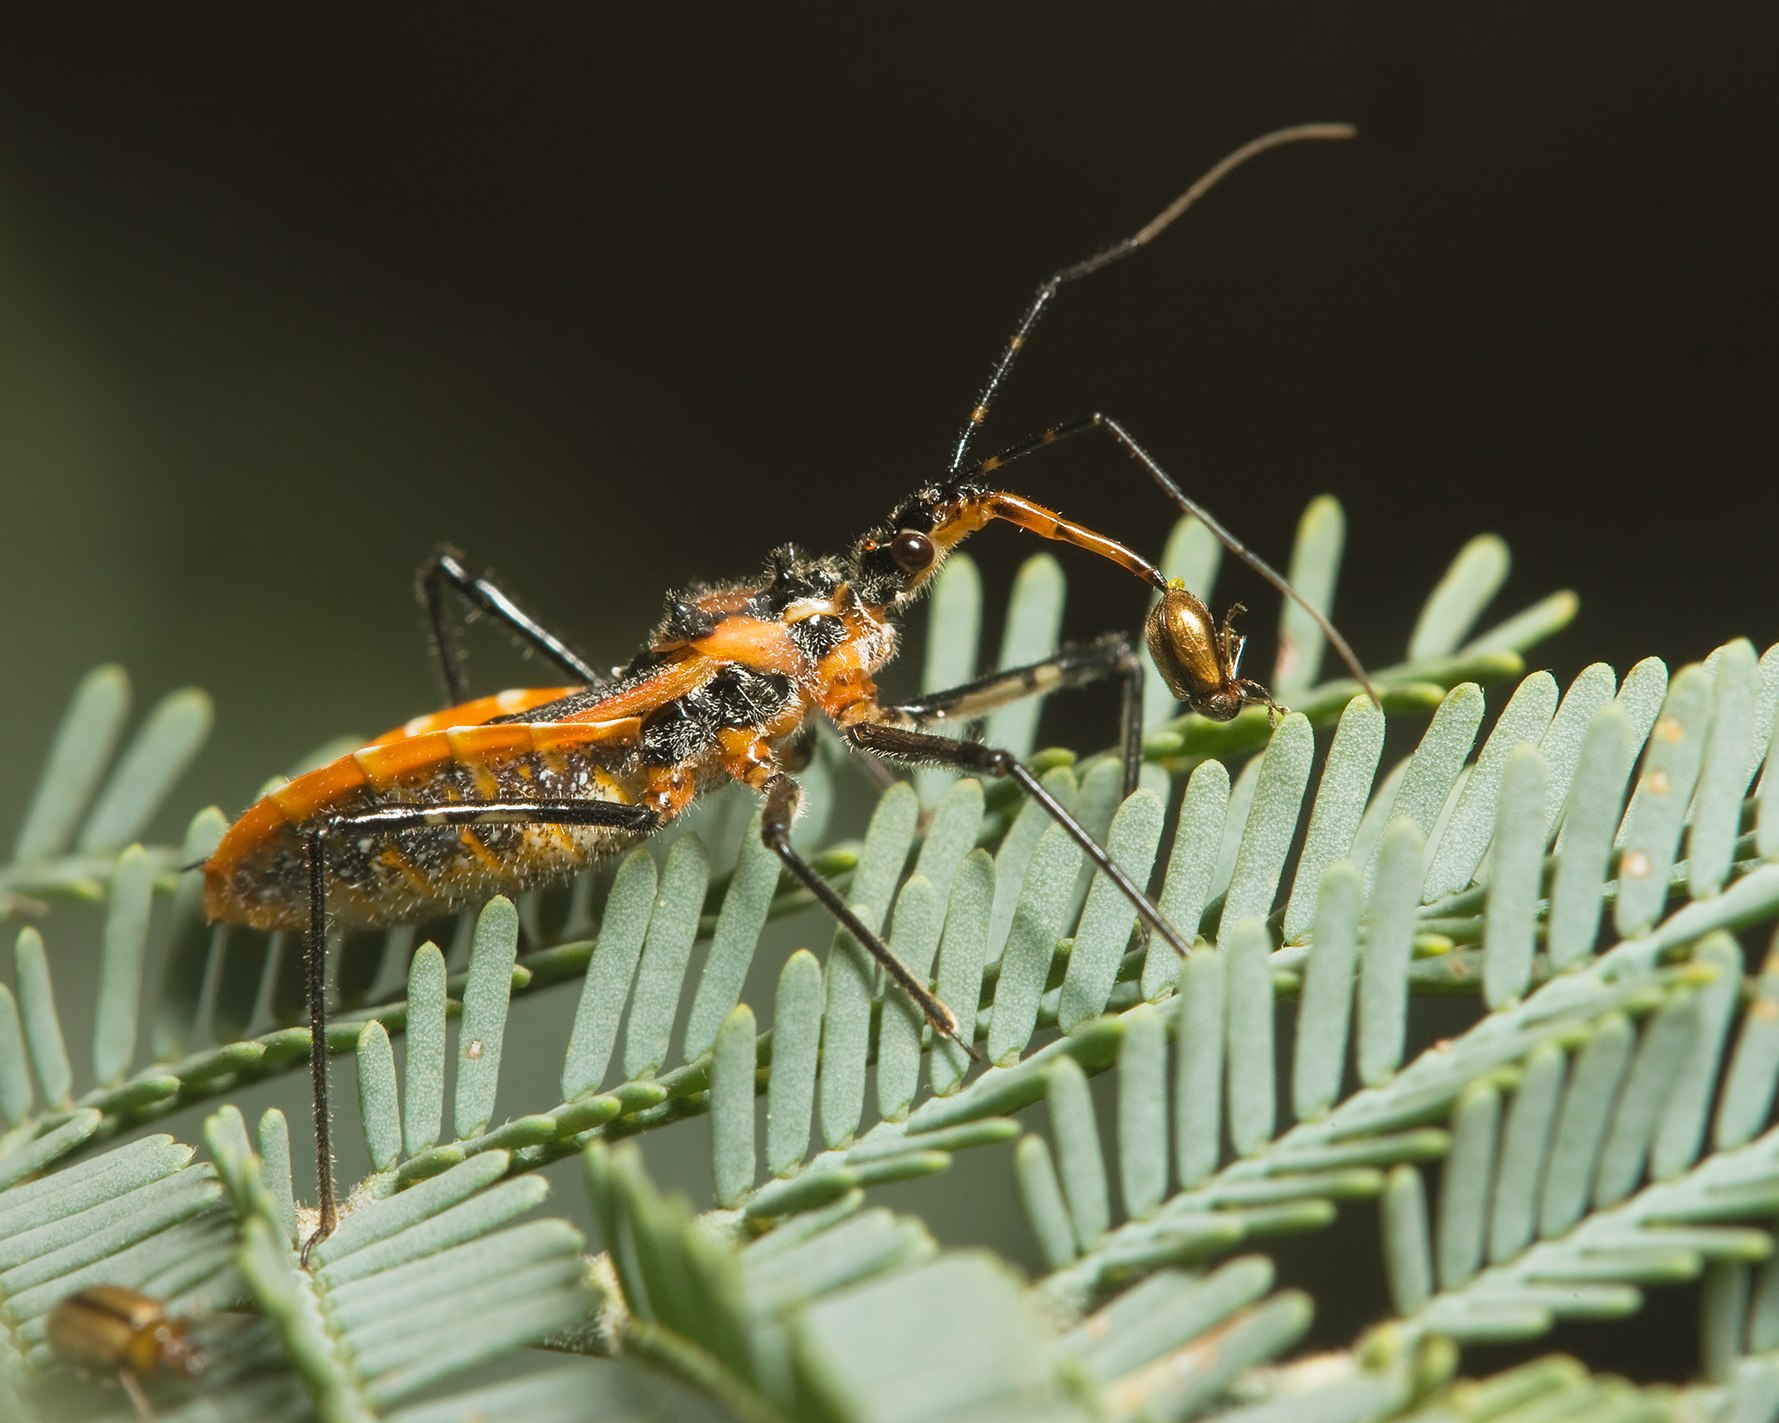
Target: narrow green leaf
{"points": [[1437, 761], [953, 634], [157, 757], [732, 1107], [52, 1146], [1341, 795], [892, 1139], [15, 1077], [377, 1104], [1254, 1338], [1682, 1130], [1464, 1189], [1723, 774], [739, 922], [1658, 806], [54, 1252], [1458, 852], [852, 973], [1561, 745], [1198, 1067], [1408, 1256], [951, 834], [423, 1100], [1315, 570], [1766, 823], [1473, 579], [665, 953], [963, 954], [1582, 1123], [1080, 1166], [1106, 922], [606, 988], [479, 1214], [1548, 616], [1754, 1070], [1271, 823], [1661, 1058], [1325, 1011], [1191, 863], [1763, 1315], [1033, 627], [1014, 856], [274, 1170], [483, 1027], [1038, 923], [1248, 991], [1191, 555], [1168, 1311], [120, 965], [42, 1026], [1584, 850], [1723, 1319], [1102, 788], [866, 1353], [1516, 862], [914, 936], [857, 1247], [1524, 1145], [1376, 817], [796, 1041], [1142, 1111], [1389, 945], [180, 1007], [1041, 1197], [1766, 706], [1235, 825], [1641, 695], [85, 741]]}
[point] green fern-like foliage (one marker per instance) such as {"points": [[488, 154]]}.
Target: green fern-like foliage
{"points": [[1569, 894]]}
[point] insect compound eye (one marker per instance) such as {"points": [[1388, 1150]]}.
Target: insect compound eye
{"points": [[912, 551]]}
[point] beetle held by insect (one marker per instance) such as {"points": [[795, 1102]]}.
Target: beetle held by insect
{"points": [[495, 794], [116, 1330]]}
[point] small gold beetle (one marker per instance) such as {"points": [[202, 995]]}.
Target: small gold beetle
{"points": [[109, 1328]]}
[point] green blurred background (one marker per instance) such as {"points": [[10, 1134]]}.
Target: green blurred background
{"points": [[620, 297]]}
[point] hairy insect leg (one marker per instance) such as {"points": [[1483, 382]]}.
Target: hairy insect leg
{"points": [[444, 570], [782, 796], [394, 819], [1078, 665], [1055, 434], [919, 747]]}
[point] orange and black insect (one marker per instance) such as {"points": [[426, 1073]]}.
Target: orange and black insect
{"points": [[499, 793], [116, 1330]]}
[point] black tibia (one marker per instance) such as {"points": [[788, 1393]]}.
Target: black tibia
{"points": [[782, 797], [444, 570], [919, 748], [1079, 665], [394, 819]]}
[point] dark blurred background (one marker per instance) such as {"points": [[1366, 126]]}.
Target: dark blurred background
{"points": [[615, 299]]}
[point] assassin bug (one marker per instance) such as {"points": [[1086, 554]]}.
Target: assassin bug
{"points": [[111, 1328], [499, 793]]}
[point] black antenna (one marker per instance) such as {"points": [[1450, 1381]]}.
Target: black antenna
{"points": [[1118, 250]]}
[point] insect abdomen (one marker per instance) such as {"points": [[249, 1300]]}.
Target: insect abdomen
{"points": [[259, 873]]}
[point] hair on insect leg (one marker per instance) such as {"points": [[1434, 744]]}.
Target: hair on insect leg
{"points": [[782, 795], [922, 748], [396, 819], [445, 570]]}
